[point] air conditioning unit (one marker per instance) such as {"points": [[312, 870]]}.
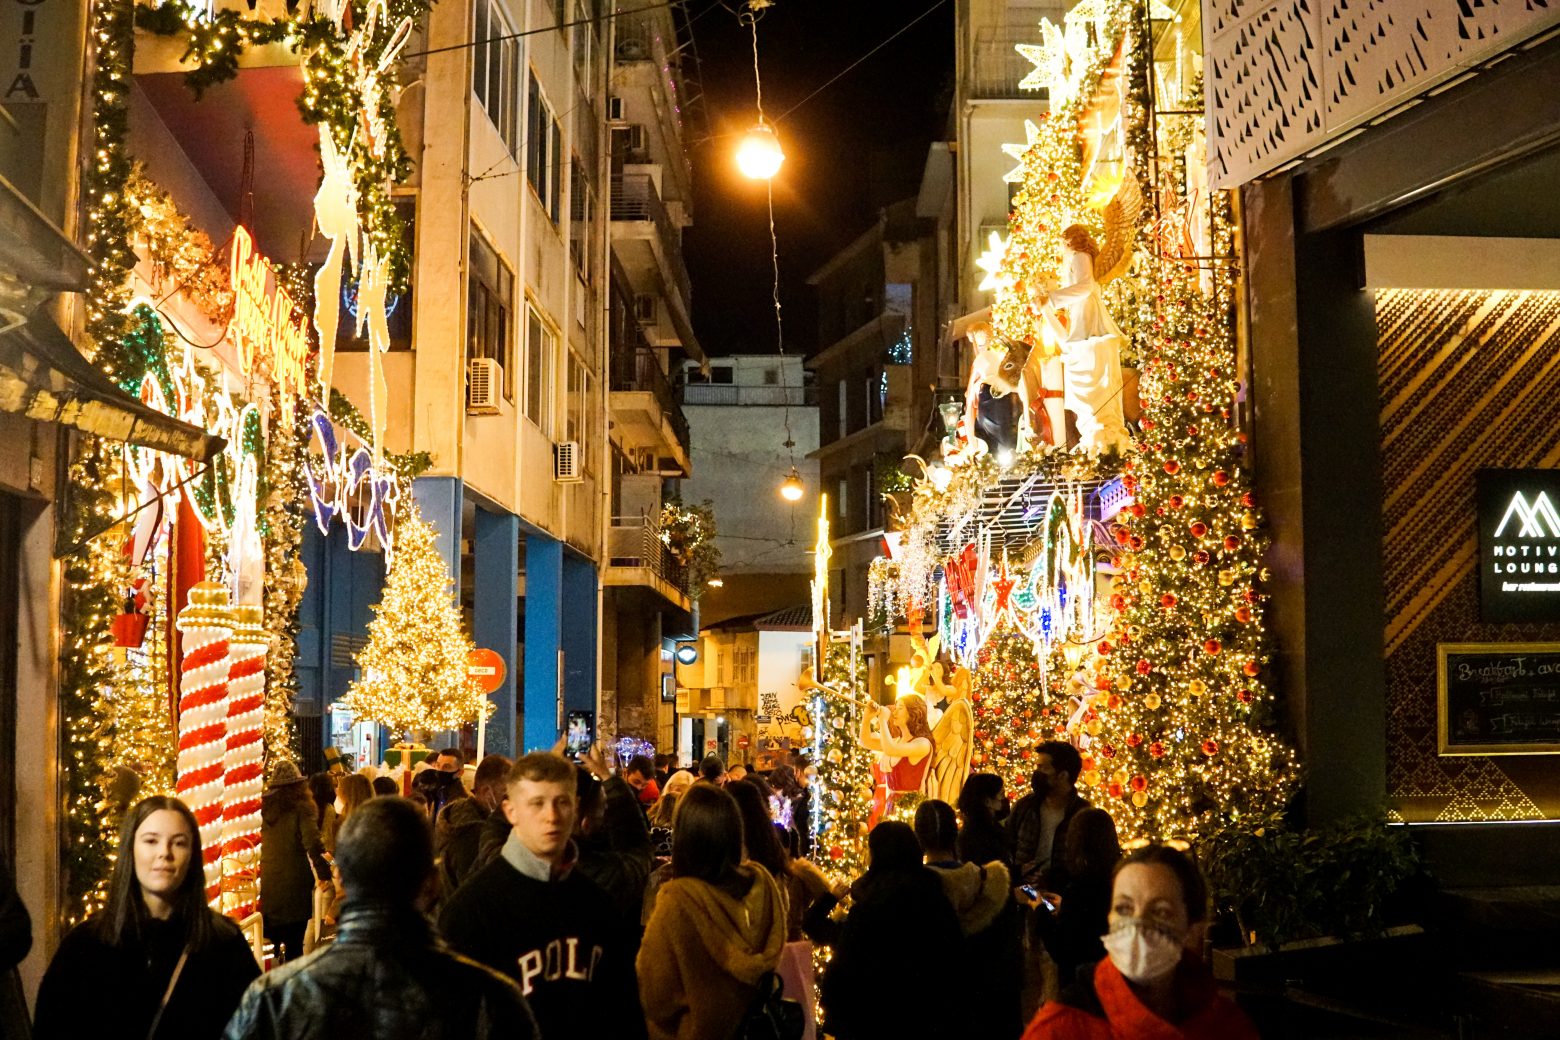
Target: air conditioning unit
{"points": [[566, 462], [645, 311], [484, 386], [615, 108]]}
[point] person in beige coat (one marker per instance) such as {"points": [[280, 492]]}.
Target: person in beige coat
{"points": [[716, 930]]}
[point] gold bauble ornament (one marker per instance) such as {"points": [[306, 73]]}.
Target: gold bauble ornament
{"points": [[1177, 553], [1152, 702], [1139, 799]]}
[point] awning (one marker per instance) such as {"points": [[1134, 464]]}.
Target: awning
{"points": [[958, 328], [44, 377]]}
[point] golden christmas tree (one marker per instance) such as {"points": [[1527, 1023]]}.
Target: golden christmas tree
{"points": [[414, 677]]}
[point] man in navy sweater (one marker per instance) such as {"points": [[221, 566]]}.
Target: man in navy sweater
{"points": [[531, 915]]}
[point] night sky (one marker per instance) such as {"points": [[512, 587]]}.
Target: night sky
{"points": [[857, 146]]}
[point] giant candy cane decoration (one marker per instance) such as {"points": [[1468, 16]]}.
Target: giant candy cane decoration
{"points": [[206, 625], [244, 764]]}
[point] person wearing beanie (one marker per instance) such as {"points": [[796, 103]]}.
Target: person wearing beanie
{"points": [[717, 929], [387, 975], [292, 859]]}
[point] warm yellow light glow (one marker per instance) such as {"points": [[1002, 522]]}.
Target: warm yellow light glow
{"points": [[792, 488], [759, 155]]}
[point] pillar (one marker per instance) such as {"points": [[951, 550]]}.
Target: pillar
{"points": [[439, 501], [496, 617], [543, 639], [579, 634]]}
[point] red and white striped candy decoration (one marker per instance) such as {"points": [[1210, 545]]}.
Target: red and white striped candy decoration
{"points": [[244, 764], [206, 625]]}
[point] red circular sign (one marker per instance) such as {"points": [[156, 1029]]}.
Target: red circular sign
{"points": [[486, 668], [744, 741]]}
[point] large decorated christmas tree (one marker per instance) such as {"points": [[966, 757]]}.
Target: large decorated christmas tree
{"points": [[1007, 702], [414, 669]]}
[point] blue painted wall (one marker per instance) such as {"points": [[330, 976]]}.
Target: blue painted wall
{"points": [[496, 615], [543, 638]]}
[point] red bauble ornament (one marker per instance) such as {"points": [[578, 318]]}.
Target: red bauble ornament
{"points": [[1176, 501], [1243, 614], [1104, 648], [1113, 702], [1114, 790], [1210, 747], [1232, 542], [1248, 500], [1198, 528], [1139, 784], [1108, 751], [1026, 754], [1134, 739], [836, 852], [1136, 509], [1167, 601], [1251, 668], [1211, 646], [1172, 467], [1143, 667], [1156, 749], [1220, 478], [1251, 595], [1191, 431], [1244, 696], [1136, 542], [1201, 556]]}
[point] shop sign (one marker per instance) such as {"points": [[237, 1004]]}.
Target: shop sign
{"points": [[1519, 544], [269, 329]]}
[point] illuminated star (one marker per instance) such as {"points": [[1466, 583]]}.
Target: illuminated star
{"points": [[1004, 586], [1017, 152], [992, 261], [1053, 61]]}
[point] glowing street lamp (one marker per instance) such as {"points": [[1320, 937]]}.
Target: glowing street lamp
{"points": [[792, 488], [759, 155]]}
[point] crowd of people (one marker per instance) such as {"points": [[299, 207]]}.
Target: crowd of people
{"points": [[543, 896]]}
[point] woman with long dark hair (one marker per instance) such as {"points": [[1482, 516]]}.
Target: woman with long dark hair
{"points": [[982, 804], [717, 928], [1090, 852], [156, 961], [292, 860]]}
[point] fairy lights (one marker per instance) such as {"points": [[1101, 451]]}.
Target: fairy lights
{"points": [[207, 626], [243, 763]]}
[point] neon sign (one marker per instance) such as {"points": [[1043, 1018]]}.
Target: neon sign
{"points": [[269, 329], [344, 482]]}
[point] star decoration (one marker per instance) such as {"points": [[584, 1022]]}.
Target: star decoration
{"points": [[1017, 151], [1004, 587], [1053, 61], [992, 262]]}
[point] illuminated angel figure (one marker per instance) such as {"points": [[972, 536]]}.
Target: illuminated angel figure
{"points": [[952, 739], [335, 213], [372, 289], [901, 736]]}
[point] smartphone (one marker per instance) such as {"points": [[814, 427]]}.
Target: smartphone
{"points": [[580, 728], [1034, 893]]}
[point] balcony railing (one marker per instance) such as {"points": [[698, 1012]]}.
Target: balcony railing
{"points": [[996, 67], [641, 370], [734, 396], [634, 197], [635, 541]]}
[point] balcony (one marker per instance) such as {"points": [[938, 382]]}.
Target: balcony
{"points": [[645, 409], [649, 244], [637, 557], [728, 395], [996, 67]]}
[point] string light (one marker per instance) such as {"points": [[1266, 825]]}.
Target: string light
{"points": [[207, 627]]}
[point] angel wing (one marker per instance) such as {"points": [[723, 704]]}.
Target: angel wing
{"points": [[1123, 215]]}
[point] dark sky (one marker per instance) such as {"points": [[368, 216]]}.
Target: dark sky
{"points": [[857, 146]]}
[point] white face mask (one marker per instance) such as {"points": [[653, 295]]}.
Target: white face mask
{"points": [[1141, 951]]}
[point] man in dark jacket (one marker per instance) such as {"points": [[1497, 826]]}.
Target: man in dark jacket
{"points": [[470, 831], [533, 914], [386, 976], [614, 842], [1040, 818]]}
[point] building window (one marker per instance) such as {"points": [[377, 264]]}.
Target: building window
{"points": [[582, 210], [584, 41], [844, 408], [541, 352], [544, 151], [495, 72], [842, 498], [578, 424], [721, 374], [771, 377], [490, 295]]}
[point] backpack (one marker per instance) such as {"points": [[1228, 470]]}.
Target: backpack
{"points": [[771, 1016]]}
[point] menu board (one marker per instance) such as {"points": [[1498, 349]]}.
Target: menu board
{"points": [[1498, 698]]}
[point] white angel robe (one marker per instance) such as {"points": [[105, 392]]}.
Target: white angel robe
{"points": [[1091, 355]]}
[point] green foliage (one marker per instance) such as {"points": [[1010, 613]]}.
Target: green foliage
{"points": [[689, 532], [1283, 884]]}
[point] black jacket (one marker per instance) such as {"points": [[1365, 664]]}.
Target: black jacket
{"points": [[458, 838], [1024, 828], [1072, 934], [561, 940], [93, 989], [897, 918], [619, 855], [387, 977]]}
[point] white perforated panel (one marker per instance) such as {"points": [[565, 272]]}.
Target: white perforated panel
{"points": [[1284, 76]]}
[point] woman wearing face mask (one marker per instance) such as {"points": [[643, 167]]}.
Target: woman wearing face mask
{"points": [[156, 962], [1152, 983]]}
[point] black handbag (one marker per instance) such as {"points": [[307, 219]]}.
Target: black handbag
{"points": [[771, 1016]]}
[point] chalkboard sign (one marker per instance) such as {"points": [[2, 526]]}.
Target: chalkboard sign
{"points": [[1498, 698]]}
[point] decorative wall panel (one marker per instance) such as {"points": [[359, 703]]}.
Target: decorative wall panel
{"points": [[1468, 380], [1286, 76]]}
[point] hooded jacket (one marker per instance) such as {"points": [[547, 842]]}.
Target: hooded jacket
{"points": [[291, 853], [1102, 1006], [993, 949], [704, 953]]}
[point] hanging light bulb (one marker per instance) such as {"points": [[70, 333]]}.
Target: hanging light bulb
{"points": [[792, 488], [759, 155]]}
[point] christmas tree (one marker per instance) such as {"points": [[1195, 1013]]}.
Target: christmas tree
{"points": [[1007, 699], [1184, 738], [843, 798], [414, 666]]}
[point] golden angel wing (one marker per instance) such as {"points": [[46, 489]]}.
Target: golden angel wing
{"points": [[1123, 215]]}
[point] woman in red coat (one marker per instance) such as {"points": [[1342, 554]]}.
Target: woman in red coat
{"points": [[1151, 985]]}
